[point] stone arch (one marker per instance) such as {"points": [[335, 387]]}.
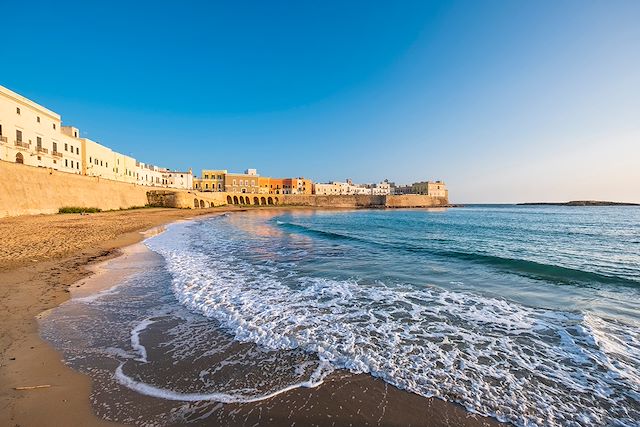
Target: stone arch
{"points": [[247, 200], [229, 200], [275, 200], [235, 200], [201, 203], [19, 158], [210, 204], [263, 201], [256, 201], [195, 203], [270, 200]]}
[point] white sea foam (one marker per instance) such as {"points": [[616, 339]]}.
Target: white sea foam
{"points": [[519, 364], [150, 390]]}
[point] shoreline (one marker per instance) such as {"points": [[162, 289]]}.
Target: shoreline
{"points": [[35, 362]]}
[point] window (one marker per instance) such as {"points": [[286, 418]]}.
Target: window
{"points": [[77, 150], [39, 142], [100, 162], [90, 159], [75, 134], [17, 110], [71, 163], [55, 147], [66, 163], [18, 135], [66, 147], [38, 119], [54, 125], [78, 165]]}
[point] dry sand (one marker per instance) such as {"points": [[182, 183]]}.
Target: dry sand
{"points": [[41, 256]]}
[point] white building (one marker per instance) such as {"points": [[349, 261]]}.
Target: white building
{"points": [[183, 180]]}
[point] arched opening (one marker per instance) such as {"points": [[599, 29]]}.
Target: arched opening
{"points": [[229, 201], [235, 200], [263, 201], [247, 200], [210, 204], [275, 200], [256, 201], [195, 203], [19, 158], [202, 203], [270, 200]]}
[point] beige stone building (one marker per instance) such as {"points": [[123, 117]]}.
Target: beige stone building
{"points": [[430, 188]]}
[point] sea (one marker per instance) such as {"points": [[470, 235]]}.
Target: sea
{"points": [[527, 314]]}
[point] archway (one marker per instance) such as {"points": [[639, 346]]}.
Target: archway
{"points": [[235, 200], [195, 203], [229, 201], [263, 201], [19, 158], [270, 200], [247, 200], [275, 200], [202, 203], [256, 201], [210, 204]]}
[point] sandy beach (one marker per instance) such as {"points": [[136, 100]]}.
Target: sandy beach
{"points": [[42, 256]]}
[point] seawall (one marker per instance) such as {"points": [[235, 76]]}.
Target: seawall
{"points": [[30, 190]]}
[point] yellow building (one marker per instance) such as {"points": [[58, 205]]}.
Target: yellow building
{"points": [[210, 180]]}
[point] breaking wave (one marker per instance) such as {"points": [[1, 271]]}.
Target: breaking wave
{"points": [[529, 366]]}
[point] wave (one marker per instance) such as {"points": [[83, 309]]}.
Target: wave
{"points": [[498, 358], [533, 269]]}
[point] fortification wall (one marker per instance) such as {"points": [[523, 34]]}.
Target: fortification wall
{"points": [[344, 201], [29, 190], [414, 201]]}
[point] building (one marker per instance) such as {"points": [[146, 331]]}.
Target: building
{"points": [[242, 182], [176, 179], [429, 188], [297, 186], [210, 180], [31, 134], [149, 175]]}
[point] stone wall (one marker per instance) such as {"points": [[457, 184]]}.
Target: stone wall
{"points": [[29, 190]]}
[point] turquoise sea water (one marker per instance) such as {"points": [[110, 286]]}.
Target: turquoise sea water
{"points": [[527, 314]]}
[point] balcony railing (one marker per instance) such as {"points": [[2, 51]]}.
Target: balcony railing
{"points": [[22, 144], [3, 138], [42, 150], [56, 154]]}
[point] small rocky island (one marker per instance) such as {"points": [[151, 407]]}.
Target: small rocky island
{"points": [[579, 203]]}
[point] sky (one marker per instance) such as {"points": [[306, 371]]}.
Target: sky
{"points": [[506, 101]]}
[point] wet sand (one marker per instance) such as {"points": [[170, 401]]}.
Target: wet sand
{"points": [[40, 257]]}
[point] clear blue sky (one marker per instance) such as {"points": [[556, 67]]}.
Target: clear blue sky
{"points": [[505, 100]]}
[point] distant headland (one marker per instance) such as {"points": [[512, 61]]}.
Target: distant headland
{"points": [[579, 203]]}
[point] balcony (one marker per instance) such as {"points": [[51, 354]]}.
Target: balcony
{"points": [[21, 144], [42, 150], [3, 138], [56, 154]]}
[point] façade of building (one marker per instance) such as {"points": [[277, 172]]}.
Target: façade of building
{"points": [[221, 180], [33, 135]]}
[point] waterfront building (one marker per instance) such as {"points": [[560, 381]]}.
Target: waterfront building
{"points": [[150, 175], [242, 182], [177, 179], [31, 134], [435, 189], [297, 186], [211, 180]]}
